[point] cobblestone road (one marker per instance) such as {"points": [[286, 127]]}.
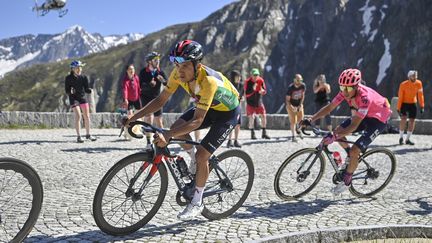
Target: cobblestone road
{"points": [[70, 173]]}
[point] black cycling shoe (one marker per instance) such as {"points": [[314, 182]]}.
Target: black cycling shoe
{"points": [[409, 142], [229, 143], [400, 141], [91, 138], [237, 144], [80, 140]]}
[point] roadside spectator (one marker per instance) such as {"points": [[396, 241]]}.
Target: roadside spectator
{"points": [[151, 78], [255, 88], [131, 93], [131, 90], [407, 104], [76, 85], [294, 104], [235, 78], [322, 91]]}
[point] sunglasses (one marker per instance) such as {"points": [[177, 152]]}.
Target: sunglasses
{"points": [[298, 80], [177, 59], [347, 88]]}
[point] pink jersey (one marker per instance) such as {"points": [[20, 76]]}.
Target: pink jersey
{"points": [[367, 103]]}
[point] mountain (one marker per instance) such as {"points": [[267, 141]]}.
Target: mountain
{"points": [[383, 38], [26, 50]]}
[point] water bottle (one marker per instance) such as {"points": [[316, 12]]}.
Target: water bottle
{"points": [[182, 166], [338, 158]]}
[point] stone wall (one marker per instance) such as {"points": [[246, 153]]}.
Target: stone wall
{"points": [[104, 119]]}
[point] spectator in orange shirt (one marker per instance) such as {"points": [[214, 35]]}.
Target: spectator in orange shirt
{"points": [[407, 104]]}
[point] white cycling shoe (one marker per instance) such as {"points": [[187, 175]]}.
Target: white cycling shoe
{"points": [[191, 211], [339, 189]]}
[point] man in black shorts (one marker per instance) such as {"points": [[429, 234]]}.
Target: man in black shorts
{"points": [[151, 78]]}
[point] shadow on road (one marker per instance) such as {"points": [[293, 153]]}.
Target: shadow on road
{"points": [[411, 150], [423, 204], [100, 149], [25, 142], [276, 210], [99, 236]]}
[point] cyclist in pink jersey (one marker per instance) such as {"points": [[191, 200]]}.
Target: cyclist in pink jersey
{"points": [[371, 113]]}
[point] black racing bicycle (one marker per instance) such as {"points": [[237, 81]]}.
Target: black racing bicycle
{"points": [[302, 170], [21, 196], [132, 191]]}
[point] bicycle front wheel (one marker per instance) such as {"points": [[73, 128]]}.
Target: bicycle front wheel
{"points": [[299, 174], [231, 188], [21, 196], [118, 207], [374, 172]]}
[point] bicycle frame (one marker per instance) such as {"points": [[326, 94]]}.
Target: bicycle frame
{"points": [[163, 155], [322, 148]]}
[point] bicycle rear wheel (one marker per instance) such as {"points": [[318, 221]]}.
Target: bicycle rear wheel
{"points": [[297, 175], [374, 172], [21, 196], [236, 171], [118, 208]]}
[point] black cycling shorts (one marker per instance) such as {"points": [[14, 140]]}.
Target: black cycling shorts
{"points": [[410, 109], [221, 124], [134, 105], [75, 101], [145, 100], [370, 128]]}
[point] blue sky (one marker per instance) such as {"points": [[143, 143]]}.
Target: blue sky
{"points": [[104, 16]]}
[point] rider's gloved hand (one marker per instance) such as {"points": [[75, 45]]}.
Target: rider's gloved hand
{"points": [[421, 110], [306, 122], [329, 139]]}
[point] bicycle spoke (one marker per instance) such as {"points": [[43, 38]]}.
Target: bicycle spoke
{"points": [[125, 207]]}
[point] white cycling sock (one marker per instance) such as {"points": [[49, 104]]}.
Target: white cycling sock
{"points": [[408, 135], [401, 132], [197, 198]]}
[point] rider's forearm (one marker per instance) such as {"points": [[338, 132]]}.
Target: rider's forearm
{"points": [[185, 128], [151, 107]]}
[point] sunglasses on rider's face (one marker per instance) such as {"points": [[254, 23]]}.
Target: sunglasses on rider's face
{"points": [[347, 88], [177, 59]]}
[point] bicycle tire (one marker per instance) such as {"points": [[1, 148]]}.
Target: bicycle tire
{"points": [[213, 213], [29, 174], [355, 187], [105, 224], [280, 179]]}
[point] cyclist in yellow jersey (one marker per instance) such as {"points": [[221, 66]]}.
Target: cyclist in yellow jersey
{"points": [[217, 107]]}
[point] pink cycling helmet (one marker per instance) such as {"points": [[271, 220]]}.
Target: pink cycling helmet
{"points": [[350, 77]]}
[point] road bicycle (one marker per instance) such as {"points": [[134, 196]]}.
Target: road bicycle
{"points": [[132, 191], [21, 196], [302, 170]]}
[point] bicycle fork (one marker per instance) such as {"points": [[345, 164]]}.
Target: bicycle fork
{"points": [[301, 176], [137, 195]]}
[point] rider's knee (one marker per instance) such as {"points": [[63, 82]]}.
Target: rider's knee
{"points": [[354, 151]]}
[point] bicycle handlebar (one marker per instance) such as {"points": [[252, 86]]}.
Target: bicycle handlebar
{"points": [[315, 130], [145, 127]]}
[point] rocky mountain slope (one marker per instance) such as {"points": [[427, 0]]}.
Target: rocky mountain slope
{"points": [[383, 38]]}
